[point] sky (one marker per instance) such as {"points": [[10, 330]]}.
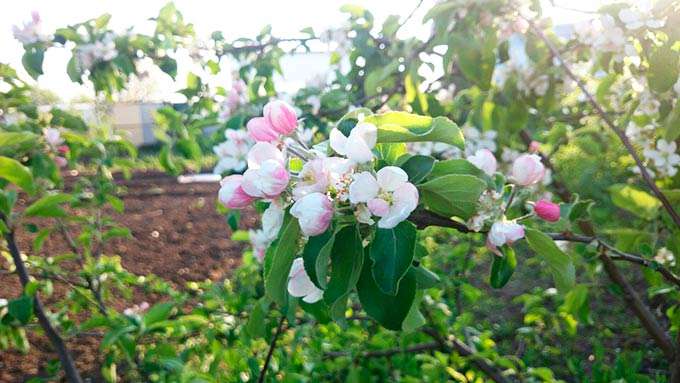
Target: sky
{"points": [[235, 18]]}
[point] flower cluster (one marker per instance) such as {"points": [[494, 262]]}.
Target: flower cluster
{"points": [[232, 152], [527, 170], [98, 51], [237, 97], [30, 32], [55, 145], [324, 185]]}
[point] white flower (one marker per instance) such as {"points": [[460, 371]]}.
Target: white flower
{"points": [[314, 212], [505, 232], [232, 152], [272, 219], [299, 284], [665, 257], [30, 32], [638, 16], [664, 157], [100, 51], [53, 137], [608, 36], [357, 147], [389, 195], [484, 160], [260, 242]]}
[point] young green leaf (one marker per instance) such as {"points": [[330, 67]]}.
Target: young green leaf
{"points": [[560, 264], [389, 310], [280, 258], [16, 173], [503, 267], [347, 258], [392, 254], [452, 195]]}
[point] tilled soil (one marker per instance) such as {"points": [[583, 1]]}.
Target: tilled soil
{"points": [[176, 234]]}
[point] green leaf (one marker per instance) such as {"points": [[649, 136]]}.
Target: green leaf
{"points": [[424, 277], [17, 139], [663, 69], [375, 81], [672, 124], [159, 312], [476, 57], [418, 167], [392, 253], [280, 256], [388, 310], [560, 264], [21, 308], [347, 257], [407, 127], [256, 326], [16, 173], [455, 166], [390, 152], [452, 195], [503, 267], [48, 206], [316, 256], [414, 319], [33, 61], [636, 201], [166, 161]]}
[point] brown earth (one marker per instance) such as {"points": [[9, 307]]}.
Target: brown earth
{"points": [[177, 235]]}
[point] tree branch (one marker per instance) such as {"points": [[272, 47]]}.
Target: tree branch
{"points": [[603, 115], [272, 346], [67, 363]]}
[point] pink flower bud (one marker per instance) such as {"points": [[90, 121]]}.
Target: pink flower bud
{"points": [[260, 130], [267, 181], [280, 116], [60, 161], [484, 160], [527, 169], [231, 193], [63, 149], [534, 146], [547, 210], [314, 212]]}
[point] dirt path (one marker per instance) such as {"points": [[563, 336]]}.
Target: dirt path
{"points": [[177, 235]]}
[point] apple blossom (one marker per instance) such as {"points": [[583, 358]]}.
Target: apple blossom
{"points": [[388, 195], [53, 137], [231, 192], [60, 161], [260, 130], [259, 241], [272, 220], [547, 210], [314, 212], [527, 169], [31, 32], [299, 284], [314, 177], [266, 176], [267, 181], [505, 232], [484, 160], [232, 152], [280, 116], [357, 147]]}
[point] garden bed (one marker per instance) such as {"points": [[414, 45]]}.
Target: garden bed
{"points": [[177, 235]]}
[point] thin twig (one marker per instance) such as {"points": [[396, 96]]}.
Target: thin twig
{"points": [[272, 346], [67, 363], [600, 111]]}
